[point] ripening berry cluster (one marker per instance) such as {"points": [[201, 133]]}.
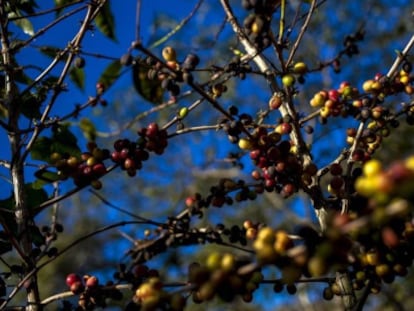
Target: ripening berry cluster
{"points": [[279, 167], [89, 167], [130, 155], [91, 293], [348, 101], [270, 245], [220, 277], [86, 169], [257, 24], [334, 102], [385, 237], [175, 72], [383, 185]]}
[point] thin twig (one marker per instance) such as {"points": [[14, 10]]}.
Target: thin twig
{"points": [[54, 200], [178, 27], [47, 27], [196, 129], [64, 250], [45, 12], [75, 43], [282, 21], [301, 33], [119, 209], [138, 21]]}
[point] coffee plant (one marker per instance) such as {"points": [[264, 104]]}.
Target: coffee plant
{"points": [[361, 237]]}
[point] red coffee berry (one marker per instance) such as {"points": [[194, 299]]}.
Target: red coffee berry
{"points": [[72, 279]]}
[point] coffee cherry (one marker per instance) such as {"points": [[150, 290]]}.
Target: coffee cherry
{"points": [[328, 293], [218, 89], [92, 282], [336, 183], [100, 88], [228, 262], [177, 302], [145, 292], [372, 168], [278, 287], [214, 261], [389, 237], [275, 102], [183, 112], [55, 157], [288, 80], [152, 130], [77, 288], [382, 270], [284, 128], [372, 258], [251, 233], [291, 289], [191, 61], [246, 4], [245, 144], [206, 291], [317, 266], [169, 54], [283, 241], [335, 169], [257, 25], [72, 279], [300, 68], [318, 99]]}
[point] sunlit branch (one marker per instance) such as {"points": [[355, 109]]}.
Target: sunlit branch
{"points": [[286, 108], [401, 57]]}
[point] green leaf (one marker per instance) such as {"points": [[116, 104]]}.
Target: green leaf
{"points": [[88, 129], [52, 52], [62, 141], [30, 106], [111, 73], [105, 21], [150, 90], [23, 23], [44, 177], [41, 149], [21, 77], [7, 214], [59, 3], [27, 6], [5, 245], [36, 236], [34, 196], [77, 75], [64, 135]]}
